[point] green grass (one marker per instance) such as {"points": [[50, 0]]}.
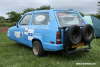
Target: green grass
{"points": [[17, 55]]}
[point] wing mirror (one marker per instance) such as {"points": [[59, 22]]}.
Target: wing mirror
{"points": [[17, 25]]}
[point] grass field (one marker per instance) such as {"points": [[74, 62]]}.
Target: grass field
{"points": [[16, 55]]}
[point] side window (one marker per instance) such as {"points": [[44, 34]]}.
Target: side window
{"points": [[25, 20], [41, 19]]}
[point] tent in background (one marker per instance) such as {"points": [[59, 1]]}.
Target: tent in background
{"points": [[96, 25], [88, 20], [95, 22]]}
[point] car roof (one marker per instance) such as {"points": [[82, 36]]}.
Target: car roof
{"points": [[53, 10]]}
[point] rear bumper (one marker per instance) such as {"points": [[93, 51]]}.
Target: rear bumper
{"points": [[57, 47], [52, 47], [86, 48]]}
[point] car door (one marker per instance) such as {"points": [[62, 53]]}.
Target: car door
{"points": [[22, 29], [40, 25]]}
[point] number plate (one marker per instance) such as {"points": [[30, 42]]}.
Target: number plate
{"points": [[80, 45]]}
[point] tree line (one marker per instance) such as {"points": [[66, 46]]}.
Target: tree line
{"points": [[14, 16]]}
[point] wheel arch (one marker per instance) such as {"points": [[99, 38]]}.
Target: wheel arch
{"points": [[35, 39]]}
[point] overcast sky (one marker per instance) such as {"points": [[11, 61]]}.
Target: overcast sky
{"points": [[87, 6]]}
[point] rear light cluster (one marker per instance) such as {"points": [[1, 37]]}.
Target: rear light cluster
{"points": [[58, 38]]}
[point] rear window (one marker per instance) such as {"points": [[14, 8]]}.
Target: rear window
{"points": [[66, 19]]}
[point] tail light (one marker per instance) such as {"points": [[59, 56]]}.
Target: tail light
{"points": [[58, 38]]}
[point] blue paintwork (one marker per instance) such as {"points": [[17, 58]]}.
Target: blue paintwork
{"points": [[44, 33]]}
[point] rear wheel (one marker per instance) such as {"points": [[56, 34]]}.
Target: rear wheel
{"points": [[37, 49]]}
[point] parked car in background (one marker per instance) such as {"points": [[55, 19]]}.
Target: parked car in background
{"points": [[52, 30]]}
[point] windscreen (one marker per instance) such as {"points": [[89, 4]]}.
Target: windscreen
{"points": [[67, 19]]}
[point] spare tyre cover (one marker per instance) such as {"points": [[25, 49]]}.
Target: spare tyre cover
{"points": [[72, 35]]}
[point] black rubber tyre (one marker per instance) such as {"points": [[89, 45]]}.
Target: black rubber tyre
{"points": [[37, 49], [87, 33]]}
